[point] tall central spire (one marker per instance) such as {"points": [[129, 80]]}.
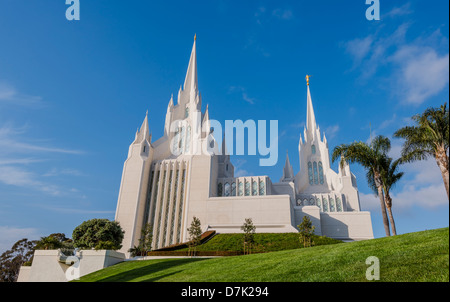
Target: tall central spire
{"points": [[310, 117], [190, 82]]}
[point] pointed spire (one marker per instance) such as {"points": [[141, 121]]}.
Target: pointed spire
{"points": [[144, 132], [310, 117], [170, 103], [288, 173], [224, 145], [190, 81]]}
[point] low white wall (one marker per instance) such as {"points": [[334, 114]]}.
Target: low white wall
{"points": [[347, 225], [269, 213], [47, 267]]}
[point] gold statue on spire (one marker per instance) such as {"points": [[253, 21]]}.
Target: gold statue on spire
{"points": [[195, 37], [307, 79]]}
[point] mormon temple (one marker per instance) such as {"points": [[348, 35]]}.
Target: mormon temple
{"points": [[164, 183]]}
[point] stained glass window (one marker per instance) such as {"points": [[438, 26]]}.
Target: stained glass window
{"points": [[227, 189], [310, 173], [262, 188], [254, 188], [247, 188], [338, 204], [313, 149], [241, 188], [321, 172], [325, 204], [318, 203], [219, 189], [233, 189], [332, 208], [316, 174]]}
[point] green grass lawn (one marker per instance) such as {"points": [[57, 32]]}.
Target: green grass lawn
{"points": [[421, 256]]}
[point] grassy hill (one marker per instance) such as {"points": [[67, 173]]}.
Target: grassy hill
{"points": [[421, 256]]}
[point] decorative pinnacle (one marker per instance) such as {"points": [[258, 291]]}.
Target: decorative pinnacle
{"points": [[307, 79], [195, 37]]}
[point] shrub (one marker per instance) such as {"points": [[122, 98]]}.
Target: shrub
{"points": [[98, 234]]}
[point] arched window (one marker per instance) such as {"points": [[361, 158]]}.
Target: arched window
{"points": [[186, 112], [320, 172], [332, 208], [310, 173], [325, 204], [227, 189], [316, 174], [175, 141], [305, 202], [262, 188], [254, 187], [241, 188], [219, 190], [312, 202], [318, 203], [338, 204], [313, 149], [247, 188], [233, 189]]}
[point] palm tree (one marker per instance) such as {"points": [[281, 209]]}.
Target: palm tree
{"points": [[371, 157], [428, 138], [389, 177]]}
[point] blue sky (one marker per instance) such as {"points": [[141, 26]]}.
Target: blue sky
{"points": [[72, 93]]}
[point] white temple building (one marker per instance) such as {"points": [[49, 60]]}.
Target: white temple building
{"points": [[166, 182]]}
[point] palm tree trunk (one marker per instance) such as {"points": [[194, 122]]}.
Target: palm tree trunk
{"points": [[383, 211], [442, 162], [391, 217]]}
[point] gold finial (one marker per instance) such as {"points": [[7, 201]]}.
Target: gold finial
{"points": [[195, 37], [307, 79]]}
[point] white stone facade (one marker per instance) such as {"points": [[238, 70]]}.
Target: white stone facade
{"points": [[168, 182]]}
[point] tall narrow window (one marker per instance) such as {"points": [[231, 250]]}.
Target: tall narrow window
{"points": [[241, 188], [227, 189], [219, 189], [186, 112], [320, 172], [325, 204], [313, 149], [338, 204], [254, 188], [310, 173], [233, 189], [316, 174], [247, 188], [262, 188], [332, 208]]}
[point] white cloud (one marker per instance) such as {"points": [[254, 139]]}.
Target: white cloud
{"points": [[422, 72], [418, 70], [399, 11], [8, 94], [331, 131], [243, 93], [283, 14]]}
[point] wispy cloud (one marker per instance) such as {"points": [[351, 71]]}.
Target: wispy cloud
{"points": [[13, 141], [243, 92], [9, 95], [418, 70]]}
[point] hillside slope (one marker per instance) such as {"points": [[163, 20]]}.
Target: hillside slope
{"points": [[421, 256]]}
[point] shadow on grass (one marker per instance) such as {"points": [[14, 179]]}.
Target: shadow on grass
{"points": [[149, 270]]}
